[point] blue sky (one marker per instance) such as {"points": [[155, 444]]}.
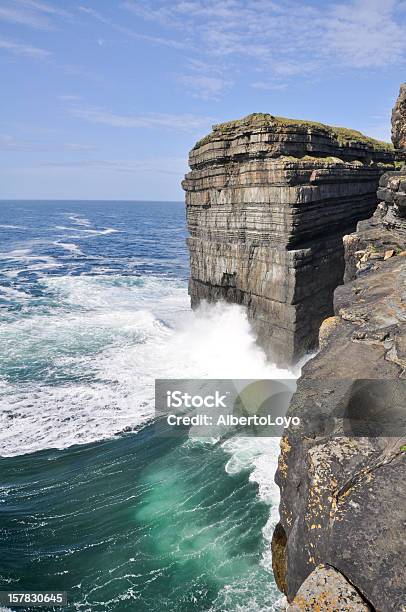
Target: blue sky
{"points": [[104, 98]]}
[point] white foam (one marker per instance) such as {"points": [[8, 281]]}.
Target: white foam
{"points": [[260, 457], [16, 254], [13, 294], [5, 226], [69, 246], [122, 332], [30, 263], [38, 268], [23, 255], [78, 219], [101, 232]]}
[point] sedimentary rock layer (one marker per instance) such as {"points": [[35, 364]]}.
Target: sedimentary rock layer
{"points": [[343, 497], [383, 235], [268, 201]]}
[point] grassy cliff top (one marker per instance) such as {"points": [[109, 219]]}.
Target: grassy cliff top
{"points": [[344, 136]]}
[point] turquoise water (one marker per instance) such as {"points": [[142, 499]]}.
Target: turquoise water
{"points": [[94, 306]]}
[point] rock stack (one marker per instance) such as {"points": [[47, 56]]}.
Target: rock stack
{"points": [[268, 202]]}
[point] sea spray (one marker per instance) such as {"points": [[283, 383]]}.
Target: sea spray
{"points": [[108, 338]]}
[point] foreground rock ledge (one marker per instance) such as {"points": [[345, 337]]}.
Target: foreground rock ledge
{"points": [[326, 589], [268, 202]]}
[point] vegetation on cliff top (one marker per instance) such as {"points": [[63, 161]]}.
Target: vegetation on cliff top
{"points": [[344, 136]]}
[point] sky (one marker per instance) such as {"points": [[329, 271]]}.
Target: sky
{"points": [[103, 99]]}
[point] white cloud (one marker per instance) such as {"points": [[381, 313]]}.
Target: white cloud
{"points": [[95, 14], [23, 49], [84, 73], [284, 38], [77, 147], [10, 143], [205, 87], [44, 7], [232, 27], [23, 17], [166, 165], [269, 86], [200, 66], [184, 122], [366, 34], [69, 98], [126, 31], [31, 13]]}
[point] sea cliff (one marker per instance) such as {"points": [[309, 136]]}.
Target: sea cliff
{"points": [[341, 538], [306, 226], [268, 202]]}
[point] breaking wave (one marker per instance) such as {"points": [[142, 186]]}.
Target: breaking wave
{"points": [[91, 356]]}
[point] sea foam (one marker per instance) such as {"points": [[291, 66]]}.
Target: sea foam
{"points": [[89, 363]]}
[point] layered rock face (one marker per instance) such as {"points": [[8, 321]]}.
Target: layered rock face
{"points": [[383, 235], [341, 536], [399, 120], [343, 497], [268, 202]]}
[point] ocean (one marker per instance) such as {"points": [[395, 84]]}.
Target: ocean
{"points": [[93, 308]]}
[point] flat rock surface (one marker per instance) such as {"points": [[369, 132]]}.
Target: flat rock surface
{"points": [[261, 133], [326, 590]]}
